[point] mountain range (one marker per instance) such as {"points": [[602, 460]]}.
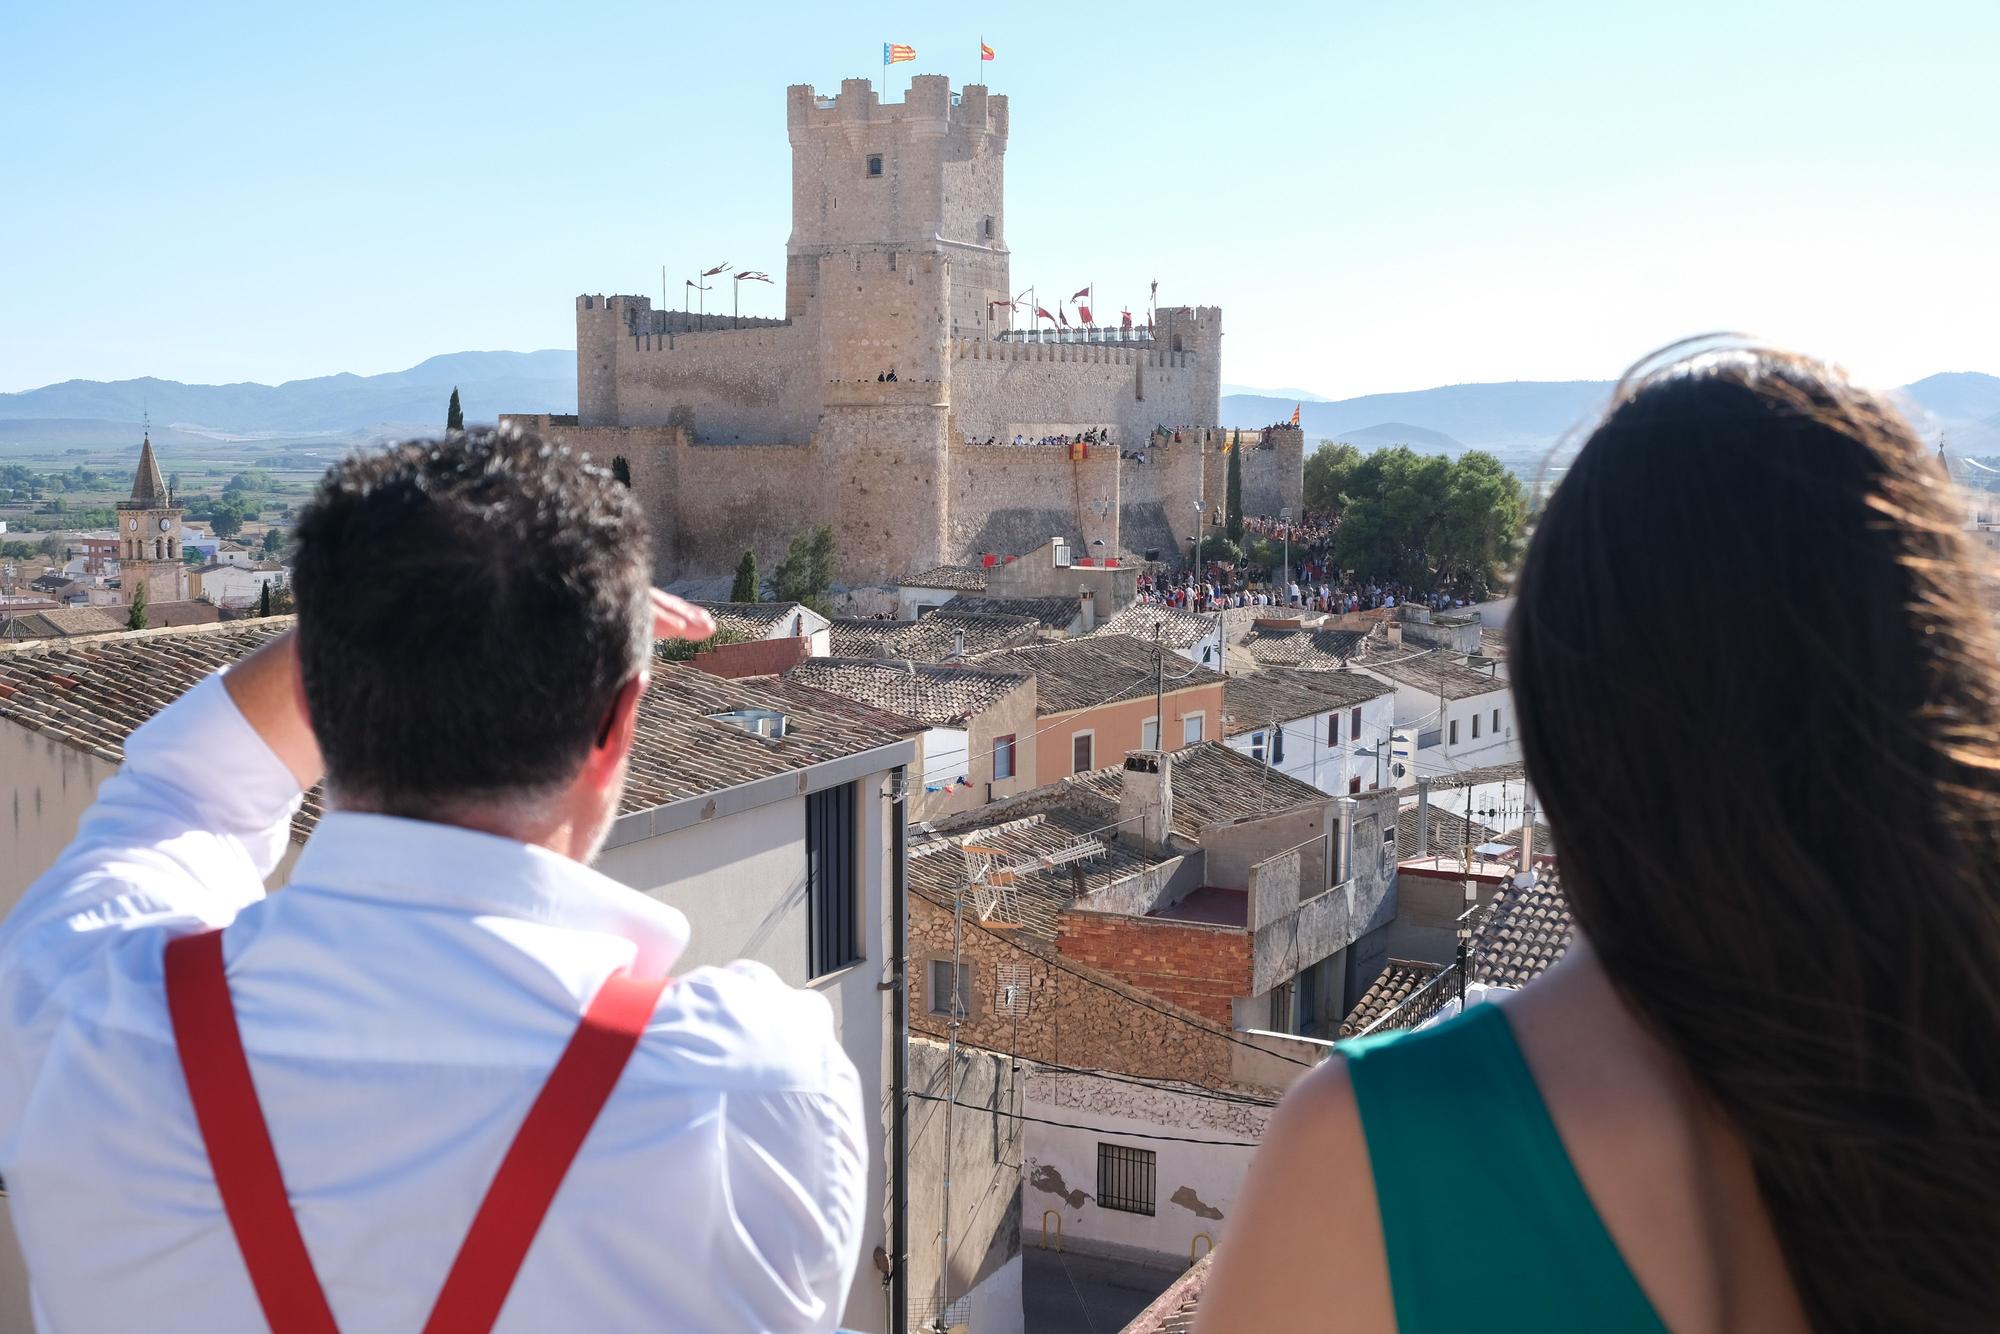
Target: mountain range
{"points": [[1513, 419]]}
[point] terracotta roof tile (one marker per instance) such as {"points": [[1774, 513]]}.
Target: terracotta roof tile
{"points": [[1097, 669], [932, 638], [1286, 693], [1179, 628], [1214, 785], [938, 695], [1057, 613], [1395, 985], [1313, 650], [754, 620], [959, 578], [1523, 934], [1429, 671]]}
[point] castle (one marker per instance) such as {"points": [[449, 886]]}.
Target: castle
{"points": [[741, 433]]}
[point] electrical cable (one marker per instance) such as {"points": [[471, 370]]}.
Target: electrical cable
{"points": [[1097, 1130]]}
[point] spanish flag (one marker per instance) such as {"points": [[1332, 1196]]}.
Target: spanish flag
{"points": [[985, 51], [1295, 414], [895, 53]]}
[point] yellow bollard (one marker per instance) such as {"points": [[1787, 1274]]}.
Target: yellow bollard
{"points": [[1056, 1214]]}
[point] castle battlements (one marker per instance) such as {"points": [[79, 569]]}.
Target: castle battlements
{"points": [[929, 104]]}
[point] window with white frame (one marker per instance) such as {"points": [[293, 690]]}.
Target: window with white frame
{"points": [[1003, 757], [1191, 728], [1082, 750], [1149, 734], [1452, 738]]}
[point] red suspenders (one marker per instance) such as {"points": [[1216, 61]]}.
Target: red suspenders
{"points": [[253, 1190]]}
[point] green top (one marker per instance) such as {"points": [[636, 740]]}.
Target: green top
{"points": [[1484, 1221]]}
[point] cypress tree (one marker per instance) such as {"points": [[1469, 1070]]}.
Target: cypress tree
{"points": [[620, 469], [264, 601], [454, 417], [136, 618], [745, 587], [1235, 496]]}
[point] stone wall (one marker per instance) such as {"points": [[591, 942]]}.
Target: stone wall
{"points": [[1194, 965], [1000, 389], [1009, 499], [1065, 1013]]}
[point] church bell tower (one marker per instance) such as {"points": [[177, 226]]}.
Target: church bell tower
{"points": [[149, 535]]}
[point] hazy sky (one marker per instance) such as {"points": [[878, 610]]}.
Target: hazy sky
{"points": [[1381, 196]]}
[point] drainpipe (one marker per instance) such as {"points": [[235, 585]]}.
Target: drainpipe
{"points": [[899, 1022]]}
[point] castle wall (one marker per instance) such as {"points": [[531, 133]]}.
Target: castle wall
{"points": [[733, 498], [727, 386], [1001, 389], [1009, 499]]}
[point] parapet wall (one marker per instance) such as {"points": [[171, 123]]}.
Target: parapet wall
{"points": [[998, 388], [1008, 499]]}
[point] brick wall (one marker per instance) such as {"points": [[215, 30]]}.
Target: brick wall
{"points": [[1198, 967], [1065, 1012], [763, 657]]}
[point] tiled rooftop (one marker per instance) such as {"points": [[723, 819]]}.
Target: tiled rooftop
{"points": [[1430, 671], [90, 694], [1054, 821], [1173, 1311], [1395, 985], [1057, 613], [958, 578], [1523, 934], [754, 620], [1097, 669], [1493, 643], [1313, 650], [1213, 785], [1286, 693], [65, 622], [1178, 628], [937, 695], [932, 638], [1516, 772], [1450, 834]]}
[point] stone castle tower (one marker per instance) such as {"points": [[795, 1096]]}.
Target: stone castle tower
{"points": [[743, 432], [149, 535]]}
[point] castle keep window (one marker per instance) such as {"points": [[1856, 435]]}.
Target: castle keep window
{"points": [[874, 164], [987, 227]]}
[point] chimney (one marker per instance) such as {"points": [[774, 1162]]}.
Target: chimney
{"points": [[958, 643], [1146, 799], [1423, 818], [1089, 609], [1395, 634], [1527, 876]]}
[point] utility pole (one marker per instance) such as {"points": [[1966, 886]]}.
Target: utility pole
{"points": [[1159, 689]]}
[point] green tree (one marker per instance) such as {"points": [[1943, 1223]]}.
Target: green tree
{"points": [[1215, 547], [173, 483], [1329, 472], [192, 556], [1427, 520], [16, 550], [454, 416], [251, 480], [621, 469], [1233, 521], [745, 587], [264, 600], [226, 521], [274, 541], [806, 572], [136, 618]]}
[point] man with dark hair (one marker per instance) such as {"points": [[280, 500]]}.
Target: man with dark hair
{"points": [[350, 1105]]}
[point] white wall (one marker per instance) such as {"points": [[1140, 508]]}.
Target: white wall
{"points": [[48, 786], [1059, 1169], [1313, 762], [947, 755], [910, 598], [741, 881]]}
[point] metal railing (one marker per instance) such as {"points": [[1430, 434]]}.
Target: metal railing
{"points": [[1099, 333], [1420, 1004]]}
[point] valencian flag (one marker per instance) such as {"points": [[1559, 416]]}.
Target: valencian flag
{"points": [[895, 53], [1295, 414], [985, 51]]}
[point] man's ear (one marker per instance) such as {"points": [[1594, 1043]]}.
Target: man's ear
{"points": [[615, 733]]}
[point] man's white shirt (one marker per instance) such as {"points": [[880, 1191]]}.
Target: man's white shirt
{"points": [[401, 1002]]}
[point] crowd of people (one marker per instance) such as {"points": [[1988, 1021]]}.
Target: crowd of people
{"points": [[1315, 581]]}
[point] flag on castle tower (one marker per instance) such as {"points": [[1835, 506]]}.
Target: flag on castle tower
{"points": [[1295, 413], [1083, 309], [985, 51], [895, 53], [1041, 314]]}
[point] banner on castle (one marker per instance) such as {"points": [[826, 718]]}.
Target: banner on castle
{"points": [[895, 53], [1295, 413], [985, 51]]}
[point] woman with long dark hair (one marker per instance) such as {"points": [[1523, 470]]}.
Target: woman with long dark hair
{"points": [[1756, 671]]}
